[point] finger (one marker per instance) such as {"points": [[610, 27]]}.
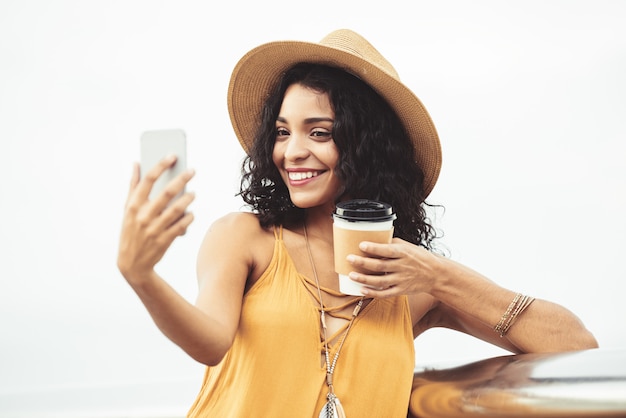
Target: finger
{"points": [[174, 212], [380, 294], [376, 281], [167, 197], [180, 227], [163, 238], [177, 229], [380, 250], [147, 179], [375, 265], [375, 286], [134, 180]]}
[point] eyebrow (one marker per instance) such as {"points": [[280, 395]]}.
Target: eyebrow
{"points": [[308, 120]]}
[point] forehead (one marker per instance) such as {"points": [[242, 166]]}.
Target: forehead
{"points": [[299, 98]]}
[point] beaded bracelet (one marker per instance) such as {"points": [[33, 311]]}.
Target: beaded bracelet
{"points": [[517, 306]]}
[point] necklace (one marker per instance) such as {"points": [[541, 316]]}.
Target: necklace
{"points": [[332, 408]]}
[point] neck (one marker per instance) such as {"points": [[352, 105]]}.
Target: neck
{"points": [[319, 223]]}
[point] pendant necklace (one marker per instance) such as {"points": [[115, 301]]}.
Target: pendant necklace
{"points": [[332, 408]]}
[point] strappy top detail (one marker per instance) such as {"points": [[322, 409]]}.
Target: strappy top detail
{"points": [[273, 367]]}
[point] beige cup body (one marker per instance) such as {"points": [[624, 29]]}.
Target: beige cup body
{"points": [[346, 239]]}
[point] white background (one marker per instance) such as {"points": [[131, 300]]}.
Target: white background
{"points": [[529, 99]]}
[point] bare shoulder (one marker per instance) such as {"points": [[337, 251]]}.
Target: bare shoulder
{"points": [[234, 229], [237, 242], [238, 223]]}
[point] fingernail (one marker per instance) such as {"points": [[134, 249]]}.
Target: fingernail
{"points": [[351, 258]]}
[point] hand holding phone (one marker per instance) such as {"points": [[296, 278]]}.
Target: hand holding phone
{"points": [[151, 225]]}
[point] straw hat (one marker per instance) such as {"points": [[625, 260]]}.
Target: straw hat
{"points": [[257, 72]]}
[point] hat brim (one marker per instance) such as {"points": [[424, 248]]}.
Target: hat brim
{"points": [[257, 73]]}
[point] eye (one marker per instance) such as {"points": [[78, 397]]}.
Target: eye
{"points": [[281, 133], [321, 134]]}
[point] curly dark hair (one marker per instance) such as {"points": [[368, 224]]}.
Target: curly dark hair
{"points": [[376, 155]]}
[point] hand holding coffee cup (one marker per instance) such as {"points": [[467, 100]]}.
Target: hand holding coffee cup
{"points": [[355, 221]]}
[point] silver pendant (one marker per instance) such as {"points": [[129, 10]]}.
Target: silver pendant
{"points": [[332, 408]]}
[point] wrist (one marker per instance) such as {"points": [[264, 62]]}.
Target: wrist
{"points": [[439, 275], [139, 278]]}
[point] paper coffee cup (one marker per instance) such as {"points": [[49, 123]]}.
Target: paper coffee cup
{"points": [[355, 221]]}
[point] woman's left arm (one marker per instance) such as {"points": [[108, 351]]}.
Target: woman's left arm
{"points": [[468, 301]]}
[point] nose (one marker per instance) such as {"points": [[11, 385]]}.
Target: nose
{"points": [[296, 148]]}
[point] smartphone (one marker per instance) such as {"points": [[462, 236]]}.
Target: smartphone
{"points": [[158, 144]]}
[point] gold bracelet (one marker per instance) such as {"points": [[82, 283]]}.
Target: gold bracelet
{"points": [[521, 307], [515, 309], [506, 314]]}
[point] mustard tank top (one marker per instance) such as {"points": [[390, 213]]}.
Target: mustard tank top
{"points": [[274, 368]]}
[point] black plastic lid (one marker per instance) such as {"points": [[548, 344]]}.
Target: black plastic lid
{"points": [[364, 210]]}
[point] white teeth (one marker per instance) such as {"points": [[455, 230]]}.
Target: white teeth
{"points": [[300, 175]]}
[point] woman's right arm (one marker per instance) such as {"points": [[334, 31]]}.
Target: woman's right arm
{"points": [[148, 229]]}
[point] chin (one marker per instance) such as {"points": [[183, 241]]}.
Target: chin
{"points": [[313, 204]]}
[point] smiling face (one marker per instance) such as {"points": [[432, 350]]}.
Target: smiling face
{"points": [[304, 152]]}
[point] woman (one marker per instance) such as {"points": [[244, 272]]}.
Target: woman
{"points": [[321, 123]]}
